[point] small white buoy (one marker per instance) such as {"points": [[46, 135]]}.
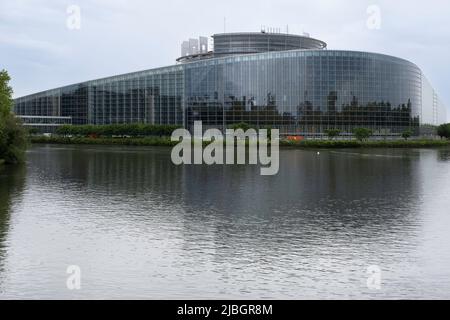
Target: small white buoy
{"points": [[318, 153]]}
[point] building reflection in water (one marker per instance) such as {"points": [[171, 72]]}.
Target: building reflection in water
{"points": [[226, 231]]}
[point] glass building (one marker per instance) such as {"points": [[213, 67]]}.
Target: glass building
{"points": [[267, 80]]}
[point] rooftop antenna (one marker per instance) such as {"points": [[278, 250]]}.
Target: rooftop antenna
{"points": [[224, 24], [287, 29]]}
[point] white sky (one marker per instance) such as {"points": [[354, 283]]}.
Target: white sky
{"points": [[119, 36]]}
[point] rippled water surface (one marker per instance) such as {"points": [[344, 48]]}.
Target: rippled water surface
{"points": [[140, 227]]}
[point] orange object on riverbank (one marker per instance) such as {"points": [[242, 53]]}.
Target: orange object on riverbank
{"points": [[295, 138]]}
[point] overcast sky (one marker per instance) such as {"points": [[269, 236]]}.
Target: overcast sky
{"points": [[41, 52]]}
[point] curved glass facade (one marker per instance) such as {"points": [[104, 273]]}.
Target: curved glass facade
{"points": [[301, 92], [306, 92], [152, 96]]}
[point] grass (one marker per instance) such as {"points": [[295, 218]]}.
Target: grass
{"points": [[327, 144], [420, 143]]}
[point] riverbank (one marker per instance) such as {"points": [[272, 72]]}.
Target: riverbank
{"points": [[331, 144], [148, 141], [327, 144]]}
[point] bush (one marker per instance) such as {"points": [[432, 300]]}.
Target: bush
{"points": [[362, 134], [407, 134], [13, 139], [443, 131], [332, 133]]}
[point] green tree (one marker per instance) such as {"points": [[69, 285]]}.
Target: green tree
{"points": [[13, 136], [362, 134], [6, 92], [443, 131], [407, 134], [332, 133]]}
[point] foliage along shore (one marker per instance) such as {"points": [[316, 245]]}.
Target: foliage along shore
{"points": [[165, 141], [13, 136]]}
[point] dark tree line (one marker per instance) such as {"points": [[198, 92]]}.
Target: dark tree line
{"points": [[13, 136]]}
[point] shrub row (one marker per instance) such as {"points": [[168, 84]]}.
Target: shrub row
{"points": [[150, 141], [444, 130], [132, 130], [425, 143]]}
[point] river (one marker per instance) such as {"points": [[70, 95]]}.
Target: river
{"points": [[138, 226]]}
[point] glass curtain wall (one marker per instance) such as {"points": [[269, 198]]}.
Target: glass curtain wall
{"points": [[305, 92]]}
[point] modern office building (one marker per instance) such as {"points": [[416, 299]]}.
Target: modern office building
{"points": [[276, 80]]}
